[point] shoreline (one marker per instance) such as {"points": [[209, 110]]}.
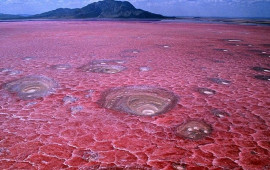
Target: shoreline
{"points": [[234, 21]]}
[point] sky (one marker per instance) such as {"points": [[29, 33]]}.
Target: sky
{"points": [[199, 8]]}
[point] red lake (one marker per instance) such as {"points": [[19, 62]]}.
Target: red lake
{"points": [[134, 95]]}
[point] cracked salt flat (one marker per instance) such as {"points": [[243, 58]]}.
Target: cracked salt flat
{"points": [[46, 135]]}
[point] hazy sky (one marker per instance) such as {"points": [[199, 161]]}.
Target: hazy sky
{"points": [[227, 8]]}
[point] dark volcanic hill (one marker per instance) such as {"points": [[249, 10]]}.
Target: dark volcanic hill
{"points": [[9, 16], [101, 9]]}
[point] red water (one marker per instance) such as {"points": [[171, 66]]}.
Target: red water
{"points": [[49, 133]]}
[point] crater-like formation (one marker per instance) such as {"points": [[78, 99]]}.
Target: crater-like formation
{"points": [[9, 72], [102, 62], [69, 99], [108, 69], [194, 130], [219, 113], [265, 55], [179, 166], [89, 155], [166, 46], [232, 40], [28, 58], [261, 69], [130, 53], [143, 69], [218, 61], [139, 100], [262, 77], [76, 109], [220, 81], [265, 45], [219, 49], [89, 93], [206, 91], [61, 67], [255, 51], [134, 51], [31, 87], [128, 56], [103, 66]]}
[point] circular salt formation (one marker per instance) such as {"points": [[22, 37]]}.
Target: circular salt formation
{"points": [[194, 130], [262, 77], [219, 49], [103, 62], [206, 91], [144, 69], [179, 166], [264, 55], [218, 61], [10, 72], [28, 58], [261, 69], [233, 40], [61, 67], [108, 69], [255, 51], [220, 81], [219, 113], [31, 87], [134, 51], [265, 45], [139, 100]]}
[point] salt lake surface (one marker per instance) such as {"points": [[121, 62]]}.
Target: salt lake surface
{"points": [[134, 95]]}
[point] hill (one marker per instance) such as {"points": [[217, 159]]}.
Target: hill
{"points": [[9, 16], [101, 9]]}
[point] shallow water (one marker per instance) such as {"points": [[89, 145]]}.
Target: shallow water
{"points": [[209, 67]]}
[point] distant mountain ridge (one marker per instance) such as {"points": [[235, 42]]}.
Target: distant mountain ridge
{"points": [[9, 16], [101, 9]]}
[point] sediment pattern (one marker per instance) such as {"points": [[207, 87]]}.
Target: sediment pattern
{"points": [[103, 66], [31, 87], [61, 67], [139, 100], [194, 130]]}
